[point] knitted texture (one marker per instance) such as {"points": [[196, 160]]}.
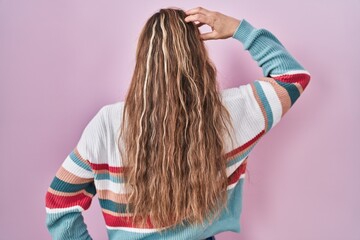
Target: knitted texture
{"points": [[94, 166]]}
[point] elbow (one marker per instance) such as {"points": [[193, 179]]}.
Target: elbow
{"points": [[305, 81]]}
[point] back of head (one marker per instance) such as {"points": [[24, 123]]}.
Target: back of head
{"points": [[173, 126]]}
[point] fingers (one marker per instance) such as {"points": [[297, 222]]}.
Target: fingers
{"points": [[201, 16], [198, 17]]}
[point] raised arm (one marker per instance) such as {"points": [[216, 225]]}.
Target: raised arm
{"points": [[283, 80]]}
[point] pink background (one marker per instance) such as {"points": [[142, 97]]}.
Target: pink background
{"points": [[60, 61]]}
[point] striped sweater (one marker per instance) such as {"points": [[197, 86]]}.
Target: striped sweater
{"points": [[94, 167]]}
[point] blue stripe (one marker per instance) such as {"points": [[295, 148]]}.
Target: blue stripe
{"points": [[108, 176], [79, 162], [91, 188], [59, 185], [292, 90], [113, 206], [265, 103], [240, 157]]}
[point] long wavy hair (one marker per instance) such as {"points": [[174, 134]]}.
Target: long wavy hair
{"points": [[173, 127]]}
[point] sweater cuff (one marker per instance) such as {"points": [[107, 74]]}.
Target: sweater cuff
{"points": [[243, 30]]}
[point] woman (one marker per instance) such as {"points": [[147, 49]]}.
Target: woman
{"points": [[169, 162]]}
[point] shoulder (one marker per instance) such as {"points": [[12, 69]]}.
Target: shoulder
{"points": [[111, 114], [94, 139], [112, 108]]}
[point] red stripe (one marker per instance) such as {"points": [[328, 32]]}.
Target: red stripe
{"points": [[121, 221], [56, 201], [301, 78], [235, 176], [105, 166], [245, 145]]}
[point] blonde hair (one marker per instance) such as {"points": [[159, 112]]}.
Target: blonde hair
{"points": [[173, 127]]}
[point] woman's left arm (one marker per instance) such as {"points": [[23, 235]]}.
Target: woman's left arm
{"points": [[72, 189]]}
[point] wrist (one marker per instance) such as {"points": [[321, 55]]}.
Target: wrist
{"points": [[235, 23], [243, 31]]}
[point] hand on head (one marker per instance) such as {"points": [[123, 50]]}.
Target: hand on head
{"points": [[222, 26]]}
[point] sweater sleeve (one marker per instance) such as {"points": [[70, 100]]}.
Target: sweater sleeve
{"points": [[72, 189], [283, 81]]}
